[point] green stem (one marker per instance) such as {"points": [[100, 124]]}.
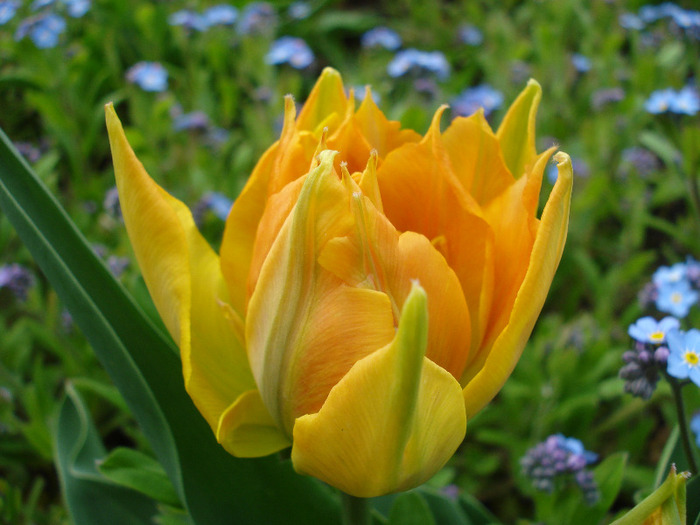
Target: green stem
{"points": [[355, 510], [683, 425]]}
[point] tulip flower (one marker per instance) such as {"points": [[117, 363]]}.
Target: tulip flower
{"points": [[374, 289]]}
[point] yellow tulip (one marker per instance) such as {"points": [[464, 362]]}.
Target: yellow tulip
{"points": [[374, 289]]}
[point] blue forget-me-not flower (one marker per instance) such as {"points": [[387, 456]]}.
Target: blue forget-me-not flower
{"points": [[290, 50], [684, 355], [149, 76], [381, 37]]}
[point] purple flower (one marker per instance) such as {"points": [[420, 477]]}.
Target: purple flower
{"points": [[471, 100], [194, 121], [419, 62], [256, 17], [559, 457], [684, 356], [604, 96], [17, 279], [43, 29], [149, 76], [290, 50], [7, 10], [640, 159], [648, 330], [470, 35], [381, 37]]}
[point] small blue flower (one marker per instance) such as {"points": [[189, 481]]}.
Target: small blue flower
{"points": [[581, 63], [290, 50], [77, 8], [684, 356], [187, 19], [669, 274], [630, 21], [648, 330], [299, 10], [220, 15], [695, 427], [219, 204], [8, 10], [470, 100], [676, 299], [43, 29], [660, 101], [361, 93], [256, 17], [381, 37], [470, 35], [420, 62], [686, 102], [149, 76]]}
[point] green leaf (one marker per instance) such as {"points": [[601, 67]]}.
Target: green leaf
{"points": [[410, 508], [692, 510], [146, 369], [661, 146], [135, 470], [476, 512], [89, 496]]}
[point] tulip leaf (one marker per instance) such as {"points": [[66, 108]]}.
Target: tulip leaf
{"points": [[135, 470], [692, 510], [410, 508], [147, 371], [90, 496]]}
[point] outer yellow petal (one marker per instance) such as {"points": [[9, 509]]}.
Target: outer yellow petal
{"points": [[544, 260], [390, 423], [517, 131], [247, 430], [183, 277]]}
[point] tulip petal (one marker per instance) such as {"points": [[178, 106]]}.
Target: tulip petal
{"points": [[391, 423], [421, 193], [182, 274], [516, 133], [476, 157], [304, 327], [247, 430], [326, 105], [544, 259], [382, 134]]}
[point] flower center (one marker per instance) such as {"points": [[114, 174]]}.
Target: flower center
{"points": [[656, 337], [676, 297], [691, 358]]}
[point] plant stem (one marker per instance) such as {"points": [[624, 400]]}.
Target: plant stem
{"points": [[683, 425], [355, 510]]}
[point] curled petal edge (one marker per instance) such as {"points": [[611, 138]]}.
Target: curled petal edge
{"points": [[544, 259]]}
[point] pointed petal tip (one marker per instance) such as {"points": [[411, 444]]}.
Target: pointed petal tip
{"points": [[566, 172]]}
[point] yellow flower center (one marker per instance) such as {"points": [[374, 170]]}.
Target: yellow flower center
{"points": [[676, 297], [656, 337], [691, 358]]}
